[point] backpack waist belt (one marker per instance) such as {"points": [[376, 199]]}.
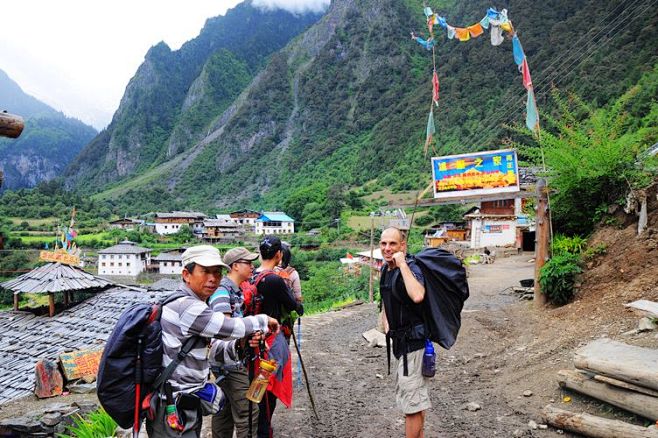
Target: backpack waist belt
{"points": [[403, 336]]}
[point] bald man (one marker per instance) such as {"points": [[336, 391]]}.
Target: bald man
{"points": [[402, 291]]}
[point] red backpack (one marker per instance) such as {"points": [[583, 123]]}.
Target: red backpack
{"points": [[253, 301]]}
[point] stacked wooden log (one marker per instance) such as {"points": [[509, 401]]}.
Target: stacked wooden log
{"points": [[622, 375]]}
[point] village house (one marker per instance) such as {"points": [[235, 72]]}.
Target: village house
{"points": [[126, 224], [498, 223], [170, 262], [245, 218], [170, 223], [125, 259], [442, 232], [220, 230], [275, 222]]}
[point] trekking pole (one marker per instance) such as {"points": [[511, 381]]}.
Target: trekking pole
{"points": [[250, 371], [138, 387], [299, 364], [308, 386]]}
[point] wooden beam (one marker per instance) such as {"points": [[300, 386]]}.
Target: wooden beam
{"points": [[16, 299], [461, 199], [634, 402], [66, 299], [592, 426], [542, 238], [51, 304], [10, 125], [636, 365], [626, 385]]}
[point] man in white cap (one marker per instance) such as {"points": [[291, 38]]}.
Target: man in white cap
{"points": [[228, 299], [190, 317]]}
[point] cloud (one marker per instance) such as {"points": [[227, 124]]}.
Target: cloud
{"points": [[294, 6]]}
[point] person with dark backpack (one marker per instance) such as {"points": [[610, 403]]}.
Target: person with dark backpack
{"points": [[175, 393], [423, 296], [402, 290], [273, 298]]}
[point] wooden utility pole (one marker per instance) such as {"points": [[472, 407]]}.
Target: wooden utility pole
{"points": [[372, 244], [542, 238], [10, 125]]}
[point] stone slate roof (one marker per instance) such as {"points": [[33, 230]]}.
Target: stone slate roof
{"points": [[125, 247], [219, 223], [181, 214], [165, 285], [168, 257], [55, 277], [26, 338]]}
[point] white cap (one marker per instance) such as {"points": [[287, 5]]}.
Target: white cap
{"points": [[203, 255]]}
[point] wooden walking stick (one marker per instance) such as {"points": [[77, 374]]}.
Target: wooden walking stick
{"points": [[308, 386]]}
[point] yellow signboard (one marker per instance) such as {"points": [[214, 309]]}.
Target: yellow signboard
{"points": [[476, 174], [59, 257]]}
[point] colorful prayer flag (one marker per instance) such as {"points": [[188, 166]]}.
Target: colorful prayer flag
{"points": [[435, 88], [517, 49], [525, 71], [532, 115], [476, 30], [431, 130]]}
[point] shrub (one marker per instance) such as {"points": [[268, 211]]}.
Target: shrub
{"points": [[558, 276], [98, 424], [571, 245]]}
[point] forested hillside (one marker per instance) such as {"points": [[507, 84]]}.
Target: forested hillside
{"points": [[175, 96], [345, 104], [49, 141]]}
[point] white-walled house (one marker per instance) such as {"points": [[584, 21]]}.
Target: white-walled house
{"points": [[169, 263], [274, 222], [125, 259], [170, 223], [245, 218], [495, 224]]}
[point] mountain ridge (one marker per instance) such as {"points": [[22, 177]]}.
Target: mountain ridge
{"points": [[49, 141]]}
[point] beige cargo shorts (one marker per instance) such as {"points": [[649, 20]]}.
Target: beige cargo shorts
{"points": [[411, 392]]}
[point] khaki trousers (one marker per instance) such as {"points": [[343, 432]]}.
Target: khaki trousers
{"points": [[236, 412]]}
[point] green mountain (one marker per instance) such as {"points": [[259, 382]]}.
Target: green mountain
{"points": [[345, 103], [49, 141], [177, 97]]}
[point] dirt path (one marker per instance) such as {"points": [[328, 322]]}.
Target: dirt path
{"points": [[505, 347], [355, 396]]}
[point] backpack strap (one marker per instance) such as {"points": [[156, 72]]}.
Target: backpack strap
{"points": [[182, 354], [185, 349]]}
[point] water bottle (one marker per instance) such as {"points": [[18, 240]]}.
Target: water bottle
{"points": [[429, 359], [258, 386]]}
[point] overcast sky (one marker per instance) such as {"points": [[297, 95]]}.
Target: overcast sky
{"points": [[78, 55]]}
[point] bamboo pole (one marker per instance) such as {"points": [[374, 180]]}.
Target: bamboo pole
{"points": [[372, 245]]}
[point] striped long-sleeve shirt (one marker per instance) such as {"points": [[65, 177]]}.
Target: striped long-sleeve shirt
{"points": [[190, 316]]}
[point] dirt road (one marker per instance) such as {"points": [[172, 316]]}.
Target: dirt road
{"points": [[354, 394]]}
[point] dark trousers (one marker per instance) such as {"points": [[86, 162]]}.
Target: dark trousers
{"points": [[265, 412], [191, 418]]}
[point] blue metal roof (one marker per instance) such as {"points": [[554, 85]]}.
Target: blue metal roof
{"points": [[274, 216]]}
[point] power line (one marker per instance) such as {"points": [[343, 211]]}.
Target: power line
{"points": [[571, 59], [511, 92], [576, 55]]}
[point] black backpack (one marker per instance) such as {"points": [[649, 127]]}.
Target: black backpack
{"points": [[131, 364], [446, 289]]}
